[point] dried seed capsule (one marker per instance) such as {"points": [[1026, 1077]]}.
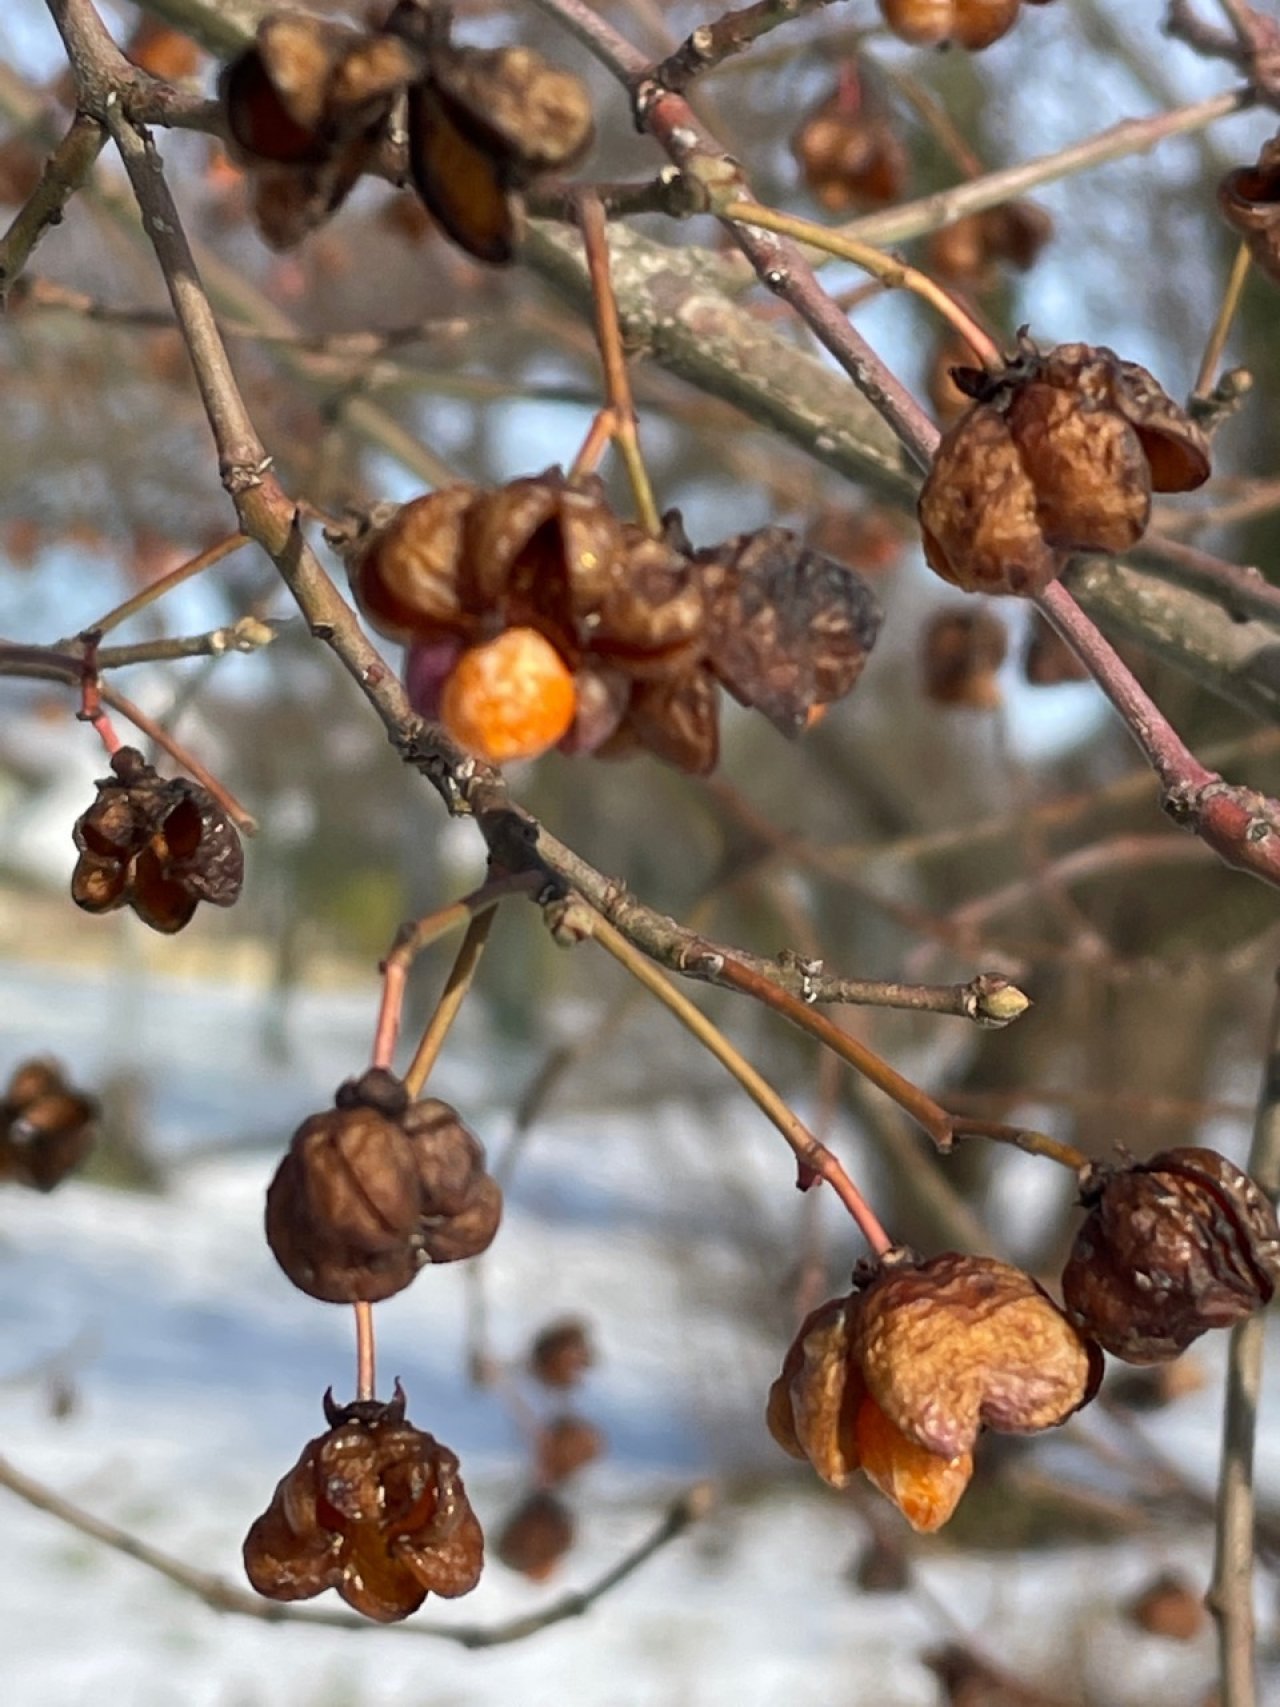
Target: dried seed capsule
{"points": [[158, 846], [958, 1343], [961, 652], [564, 1446], [651, 616], [1170, 1248], [536, 1536], [897, 1380], [374, 1508], [970, 251], [1060, 452], [678, 721], [512, 698], [848, 152], [542, 553], [561, 1353], [404, 569], [46, 1128], [978, 511], [1250, 202], [787, 628], [1169, 1607]]}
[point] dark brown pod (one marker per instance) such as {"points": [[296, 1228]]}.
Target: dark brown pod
{"points": [[652, 615], [561, 1353], [677, 720], [1170, 1248], [1249, 199], [961, 652], [404, 568], [46, 1127], [536, 1536], [849, 154], [453, 1238], [970, 251], [530, 116], [463, 188], [375, 1509], [787, 628], [1168, 1606], [160, 846]]}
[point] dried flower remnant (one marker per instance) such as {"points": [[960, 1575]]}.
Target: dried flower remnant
{"points": [[374, 1508], [1249, 199], [961, 652], [849, 154], [1060, 452], [1170, 1248], [898, 1379], [374, 1189], [970, 24], [159, 846], [46, 1127], [536, 1536]]}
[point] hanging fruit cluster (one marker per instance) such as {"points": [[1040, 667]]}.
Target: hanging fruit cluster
{"points": [[898, 1378], [1058, 453], [158, 845], [308, 108], [540, 1529], [537, 618], [46, 1127], [849, 153]]}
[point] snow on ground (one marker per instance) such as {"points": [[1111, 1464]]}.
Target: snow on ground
{"points": [[198, 1373]]}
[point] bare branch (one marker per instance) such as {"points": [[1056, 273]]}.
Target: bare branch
{"points": [[64, 172]]}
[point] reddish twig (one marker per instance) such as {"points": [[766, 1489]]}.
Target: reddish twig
{"points": [[366, 1352], [244, 821]]}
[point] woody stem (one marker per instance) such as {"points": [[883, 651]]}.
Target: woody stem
{"points": [[452, 997], [166, 583]]}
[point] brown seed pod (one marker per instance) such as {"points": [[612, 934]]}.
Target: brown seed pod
{"points": [[652, 615], [1060, 452], [160, 846], [46, 1128], [375, 1188], [958, 1343], [404, 566], [1170, 1248], [820, 1408], [849, 154], [678, 721], [787, 628], [561, 1353], [961, 652], [536, 1536], [564, 1446], [1249, 199], [970, 24], [541, 553], [374, 1508]]}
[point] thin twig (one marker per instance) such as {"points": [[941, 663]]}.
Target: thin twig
{"points": [[595, 240], [166, 583], [412, 939], [815, 1159], [1231, 1596], [1222, 322], [892, 273], [222, 1596], [64, 172], [458, 983]]}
